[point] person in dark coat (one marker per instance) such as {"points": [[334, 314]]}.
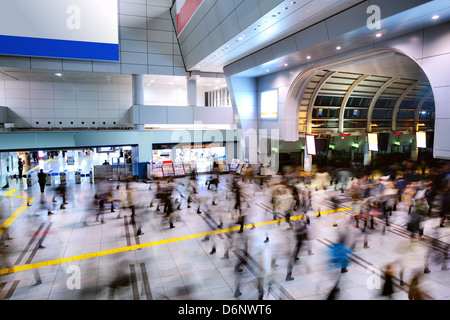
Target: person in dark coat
{"points": [[20, 167], [445, 207], [388, 288], [42, 178]]}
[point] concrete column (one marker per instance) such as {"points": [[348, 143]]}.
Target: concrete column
{"points": [[307, 163], [138, 89], [192, 92], [367, 155], [414, 149], [138, 95]]}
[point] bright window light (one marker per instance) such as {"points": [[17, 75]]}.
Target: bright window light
{"points": [[269, 104], [373, 141], [311, 145], [421, 139]]}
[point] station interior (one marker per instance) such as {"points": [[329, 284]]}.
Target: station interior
{"points": [[225, 150]]}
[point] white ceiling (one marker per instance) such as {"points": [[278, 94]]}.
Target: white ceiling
{"points": [[285, 19], [324, 52], [282, 21], [391, 65], [105, 78]]}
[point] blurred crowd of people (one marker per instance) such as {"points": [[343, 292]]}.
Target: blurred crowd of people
{"points": [[229, 202]]}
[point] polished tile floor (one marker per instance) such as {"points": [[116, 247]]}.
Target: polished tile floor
{"points": [[71, 256]]}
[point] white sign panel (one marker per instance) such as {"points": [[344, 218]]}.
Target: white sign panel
{"points": [[311, 145], [373, 141], [269, 104], [421, 139], [76, 29]]}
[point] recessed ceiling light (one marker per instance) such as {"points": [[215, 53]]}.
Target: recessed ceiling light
{"points": [[240, 38], [267, 70], [58, 74], [308, 57], [435, 17], [378, 35], [338, 48], [285, 64]]}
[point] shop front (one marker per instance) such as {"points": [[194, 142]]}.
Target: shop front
{"points": [[183, 159]]}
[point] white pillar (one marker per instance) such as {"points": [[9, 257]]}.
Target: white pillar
{"points": [[367, 155], [192, 92], [138, 95], [414, 149], [138, 89], [307, 166]]}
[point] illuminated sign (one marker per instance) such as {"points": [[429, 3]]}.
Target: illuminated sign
{"points": [[74, 29], [105, 149], [421, 139], [269, 104], [373, 141], [311, 145]]}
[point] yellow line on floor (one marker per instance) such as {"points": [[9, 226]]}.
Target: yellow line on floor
{"points": [[16, 213], [150, 244], [34, 168]]}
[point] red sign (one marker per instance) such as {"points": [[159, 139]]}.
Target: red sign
{"points": [[185, 11]]}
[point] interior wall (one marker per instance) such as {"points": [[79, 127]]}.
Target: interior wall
{"points": [[147, 45], [430, 48], [29, 102]]}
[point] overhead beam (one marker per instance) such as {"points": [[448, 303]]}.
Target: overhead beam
{"points": [[345, 100], [314, 97], [419, 108], [374, 101], [399, 102]]}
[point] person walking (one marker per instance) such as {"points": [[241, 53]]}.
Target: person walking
{"points": [[445, 207], [340, 254], [388, 287], [20, 167], [300, 235], [42, 178]]}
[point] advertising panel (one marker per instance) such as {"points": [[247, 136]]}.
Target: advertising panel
{"points": [[73, 29]]}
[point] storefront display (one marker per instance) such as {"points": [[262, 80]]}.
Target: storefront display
{"points": [[223, 166], [233, 165], [199, 157], [157, 170], [178, 169], [202, 158], [187, 168], [161, 155], [243, 168], [168, 169], [239, 168]]}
